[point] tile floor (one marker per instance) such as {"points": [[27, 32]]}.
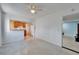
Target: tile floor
{"points": [[70, 43], [33, 47]]}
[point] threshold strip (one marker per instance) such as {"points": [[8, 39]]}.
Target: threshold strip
{"points": [[70, 49]]}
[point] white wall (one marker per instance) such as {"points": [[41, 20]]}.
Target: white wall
{"points": [[9, 35], [49, 29], [70, 29], [0, 28]]}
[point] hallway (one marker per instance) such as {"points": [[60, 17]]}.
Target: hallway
{"points": [[33, 47]]}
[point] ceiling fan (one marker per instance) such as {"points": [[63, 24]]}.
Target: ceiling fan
{"points": [[34, 8]]}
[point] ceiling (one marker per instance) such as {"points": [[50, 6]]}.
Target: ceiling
{"points": [[71, 18], [47, 8]]}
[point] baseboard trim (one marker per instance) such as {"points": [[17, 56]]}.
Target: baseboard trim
{"points": [[70, 49]]}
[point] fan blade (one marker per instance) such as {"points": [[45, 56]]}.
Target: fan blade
{"points": [[40, 9]]}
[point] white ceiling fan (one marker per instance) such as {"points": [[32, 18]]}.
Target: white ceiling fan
{"points": [[34, 8]]}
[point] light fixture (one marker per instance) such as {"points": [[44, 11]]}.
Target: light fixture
{"points": [[33, 8], [32, 11]]}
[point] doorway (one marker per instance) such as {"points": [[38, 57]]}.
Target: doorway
{"points": [[70, 32], [26, 27]]}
